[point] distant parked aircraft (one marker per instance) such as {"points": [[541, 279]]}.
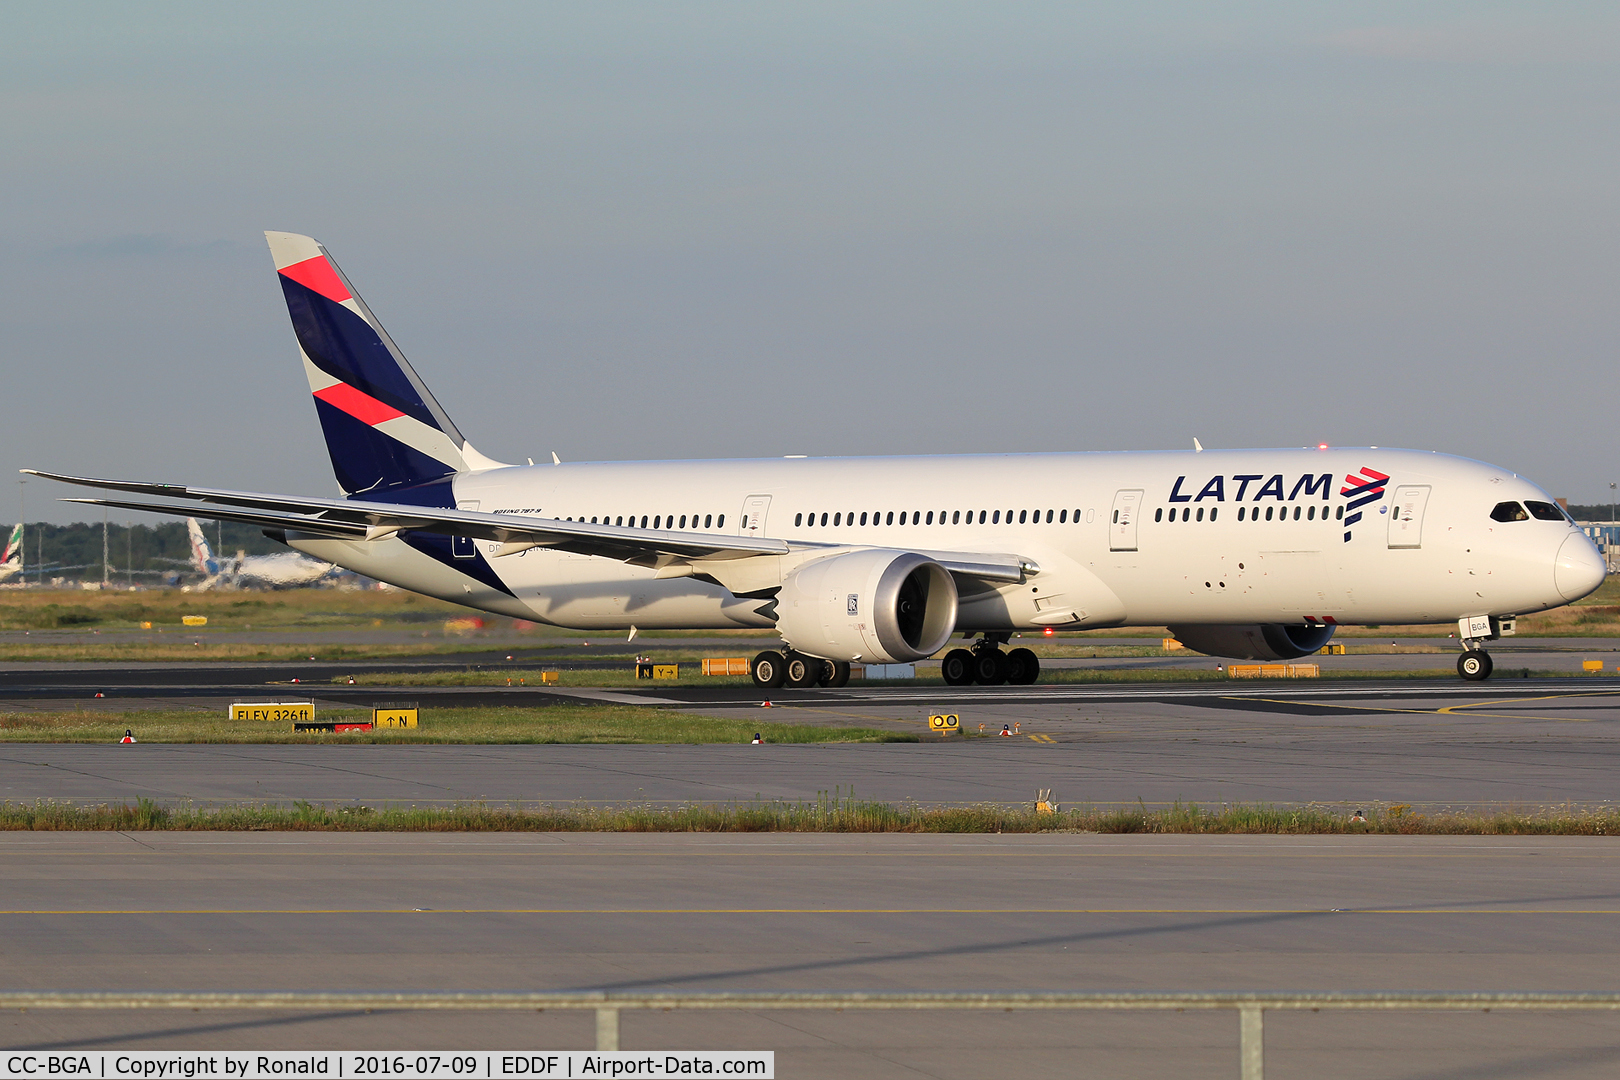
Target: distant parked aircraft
{"points": [[11, 563], [280, 571]]}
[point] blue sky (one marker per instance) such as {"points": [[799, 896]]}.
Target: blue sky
{"points": [[721, 230]]}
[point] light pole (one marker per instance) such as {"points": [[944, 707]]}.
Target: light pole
{"points": [[22, 537], [1611, 502]]}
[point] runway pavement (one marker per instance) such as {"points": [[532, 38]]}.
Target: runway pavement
{"points": [[291, 911]]}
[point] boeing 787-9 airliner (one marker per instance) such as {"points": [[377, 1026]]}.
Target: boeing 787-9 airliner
{"points": [[1248, 554]]}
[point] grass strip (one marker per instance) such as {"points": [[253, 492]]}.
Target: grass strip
{"points": [[827, 814], [561, 723]]}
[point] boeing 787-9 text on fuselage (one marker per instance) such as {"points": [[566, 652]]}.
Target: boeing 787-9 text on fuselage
{"points": [[1248, 554]]}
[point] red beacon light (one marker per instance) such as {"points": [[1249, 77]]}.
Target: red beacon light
{"points": [[1321, 446], [1050, 631]]}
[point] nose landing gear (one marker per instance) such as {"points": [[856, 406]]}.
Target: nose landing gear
{"points": [[1474, 665], [1474, 631]]}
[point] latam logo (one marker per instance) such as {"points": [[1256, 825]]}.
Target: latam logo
{"points": [[1273, 487], [1361, 490]]}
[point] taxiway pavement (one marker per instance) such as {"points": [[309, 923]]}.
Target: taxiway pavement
{"points": [[415, 912], [1519, 744]]}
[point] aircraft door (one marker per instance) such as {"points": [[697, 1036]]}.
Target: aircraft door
{"points": [[462, 546], [1122, 523], [1406, 516], [752, 521]]}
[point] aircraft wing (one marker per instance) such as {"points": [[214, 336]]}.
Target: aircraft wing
{"points": [[356, 519]]}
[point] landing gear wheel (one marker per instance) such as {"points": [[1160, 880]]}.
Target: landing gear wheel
{"points": [[957, 668], [768, 669], [990, 667], [834, 673], [801, 671], [1023, 667], [1475, 665]]}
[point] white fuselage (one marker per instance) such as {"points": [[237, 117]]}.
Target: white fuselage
{"points": [[1218, 537]]}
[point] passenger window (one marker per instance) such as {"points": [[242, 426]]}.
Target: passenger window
{"points": [[838, 519], [1510, 511], [1297, 511], [1310, 515], [1339, 514], [956, 517], [720, 522], [890, 519], [706, 520], [1268, 512], [1200, 513], [1240, 513], [1213, 511], [995, 519], [981, 517], [1544, 511], [1063, 517], [823, 519], [1023, 517], [930, 520], [798, 519], [1158, 515]]}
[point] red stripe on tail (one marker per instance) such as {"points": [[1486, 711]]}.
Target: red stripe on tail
{"points": [[317, 274], [363, 407]]}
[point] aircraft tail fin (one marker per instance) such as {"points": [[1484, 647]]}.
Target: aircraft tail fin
{"points": [[12, 559], [383, 427], [201, 557]]}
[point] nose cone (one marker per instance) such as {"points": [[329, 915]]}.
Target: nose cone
{"points": [[1579, 569]]}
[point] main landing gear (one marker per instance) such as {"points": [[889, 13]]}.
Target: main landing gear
{"points": [[773, 669], [987, 665]]}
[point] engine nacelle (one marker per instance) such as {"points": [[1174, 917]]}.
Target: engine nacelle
{"points": [[882, 606], [1267, 641]]}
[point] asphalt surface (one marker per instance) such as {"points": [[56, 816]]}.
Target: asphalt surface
{"points": [[287, 911], [291, 911], [1521, 745]]}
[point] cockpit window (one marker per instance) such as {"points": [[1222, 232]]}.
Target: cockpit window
{"points": [[1510, 511], [1543, 511]]}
